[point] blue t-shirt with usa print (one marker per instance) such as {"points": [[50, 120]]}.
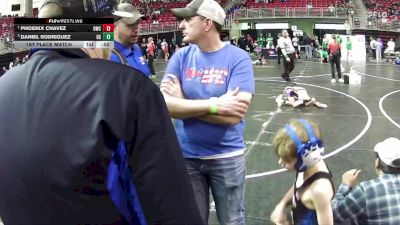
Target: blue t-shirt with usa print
{"points": [[204, 75]]}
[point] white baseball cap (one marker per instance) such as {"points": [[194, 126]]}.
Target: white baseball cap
{"points": [[127, 13], [389, 151], [207, 8]]}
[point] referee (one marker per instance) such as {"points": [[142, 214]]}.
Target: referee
{"points": [[289, 54]]}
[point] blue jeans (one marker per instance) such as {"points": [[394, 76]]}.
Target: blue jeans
{"points": [[226, 178], [309, 52]]}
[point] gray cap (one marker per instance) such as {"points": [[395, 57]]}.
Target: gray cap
{"points": [[127, 13], [207, 8]]}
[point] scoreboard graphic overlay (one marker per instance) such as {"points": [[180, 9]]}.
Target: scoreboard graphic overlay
{"points": [[64, 33]]}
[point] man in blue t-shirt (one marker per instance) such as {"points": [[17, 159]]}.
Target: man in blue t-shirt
{"points": [[208, 86], [126, 50]]}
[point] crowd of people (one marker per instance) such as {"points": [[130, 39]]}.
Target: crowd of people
{"points": [[377, 50], [6, 30], [16, 62], [379, 9], [153, 13], [385, 15]]}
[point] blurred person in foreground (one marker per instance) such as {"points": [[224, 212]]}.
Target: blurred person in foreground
{"points": [[375, 201], [87, 141]]}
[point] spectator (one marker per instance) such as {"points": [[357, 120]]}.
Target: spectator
{"points": [[334, 58], [165, 49], [379, 46], [373, 45], [261, 40], [242, 42], [151, 51], [391, 46], [198, 81], [315, 44], [308, 43], [96, 145], [295, 41], [143, 46], [309, 6], [173, 47], [159, 52], [250, 42], [349, 48], [331, 8], [278, 48], [375, 201], [233, 41], [126, 50], [270, 41]]}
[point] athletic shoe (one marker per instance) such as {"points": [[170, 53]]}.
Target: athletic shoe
{"points": [[333, 81], [341, 80], [152, 76], [321, 105]]}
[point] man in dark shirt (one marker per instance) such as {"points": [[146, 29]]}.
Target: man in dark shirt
{"points": [[64, 113], [242, 42]]}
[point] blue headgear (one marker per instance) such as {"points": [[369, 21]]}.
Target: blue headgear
{"points": [[308, 153]]}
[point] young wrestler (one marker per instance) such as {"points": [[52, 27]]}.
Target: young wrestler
{"points": [[297, 96], [300, 149]]}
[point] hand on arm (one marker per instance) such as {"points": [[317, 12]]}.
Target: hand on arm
{"points": [[278, 215], [232, 107], [171, 87], [178, 106]]}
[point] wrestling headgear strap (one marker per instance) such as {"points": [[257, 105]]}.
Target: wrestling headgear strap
{"points": [[308, 153]]}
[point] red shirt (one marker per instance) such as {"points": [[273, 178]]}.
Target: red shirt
{"points": [[334, 46], [151, 49]]}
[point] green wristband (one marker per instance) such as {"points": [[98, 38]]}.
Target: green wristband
{"points": [[213, 105]]}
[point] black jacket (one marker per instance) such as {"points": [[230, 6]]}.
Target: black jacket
{"points": [[61, 114]]}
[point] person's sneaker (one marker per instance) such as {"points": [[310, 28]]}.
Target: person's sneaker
{"points": [[152, 76], [333, 81], [341, 80], [321, 105]]}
